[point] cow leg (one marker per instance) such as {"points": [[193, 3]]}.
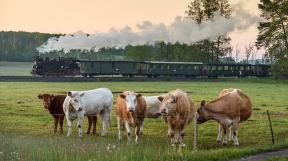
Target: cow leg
{"points": [[89, 124], [128, 131], [105, 116], [61, 124], [220, 131], [137, 133], [142, 128], [79, 125], [120, 125], [235, 132], [69, 124], [231, 137], [94, 121], [225, 135], [56, 120]]}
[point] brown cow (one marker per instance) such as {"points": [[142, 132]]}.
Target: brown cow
{"points": [[220, 129], [131, 109], [53, 103], [228, 110], [178, 111]]}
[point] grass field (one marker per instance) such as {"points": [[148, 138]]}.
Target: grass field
{"points": [[15, 68], [26, 128]]}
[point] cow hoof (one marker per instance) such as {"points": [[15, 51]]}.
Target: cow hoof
{"points": [[237, 145], [224, 143], [219, 141], [103, 135]]}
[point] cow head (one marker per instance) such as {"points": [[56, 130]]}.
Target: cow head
{"points": [[75, 100], [168, 104], [130, 100], [201, 113], [47, 99]]}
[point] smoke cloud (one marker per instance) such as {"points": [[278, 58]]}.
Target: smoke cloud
{"points": [[181, 30]]}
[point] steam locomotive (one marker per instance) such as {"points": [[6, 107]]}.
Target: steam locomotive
{"points": [[89, 68]]}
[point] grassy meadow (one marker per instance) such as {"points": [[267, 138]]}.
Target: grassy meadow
{"points": [[15, 68], [26, 131]]}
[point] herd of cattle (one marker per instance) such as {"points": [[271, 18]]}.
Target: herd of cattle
{"points": [[230, 108]]}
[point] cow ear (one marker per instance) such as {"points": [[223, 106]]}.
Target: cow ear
{"points": [[138, 95], [160, 98], [175, 99], [123, 96], [40, 96], [69, 94], [203, 103], [82, 94]]}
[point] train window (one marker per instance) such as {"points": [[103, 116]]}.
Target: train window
{"points": [[196, 67], [92, 64], [220, 68], [213, 68], [241, 67], [248, 68], [189, 67], [168, 66], [226, 67], [181, 67], [162, 66], [252, 67]]}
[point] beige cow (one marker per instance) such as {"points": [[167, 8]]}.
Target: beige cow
{"points": [[178, 111], [228, 110]]}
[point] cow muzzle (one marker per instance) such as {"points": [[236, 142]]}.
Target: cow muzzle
{"points": [[131, 110], [164, 112], [80, 109]]}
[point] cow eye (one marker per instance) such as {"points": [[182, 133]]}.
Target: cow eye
{"points": [[76, 100], [183, 134]]}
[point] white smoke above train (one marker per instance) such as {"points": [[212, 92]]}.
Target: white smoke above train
{"points": [[182, 30]]}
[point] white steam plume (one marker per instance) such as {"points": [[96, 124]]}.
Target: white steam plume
{"points": [[180, 30]]}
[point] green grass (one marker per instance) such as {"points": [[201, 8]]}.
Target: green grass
{"points": [[26, 128], [15, 68]]}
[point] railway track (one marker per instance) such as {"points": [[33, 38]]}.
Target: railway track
{"points": [[92, 79]]}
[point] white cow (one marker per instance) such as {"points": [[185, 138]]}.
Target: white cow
{"points": [[152, 108], [80, 103]]}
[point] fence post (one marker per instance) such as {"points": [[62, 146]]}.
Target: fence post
{"points": [[195, 132], [271, 129]]}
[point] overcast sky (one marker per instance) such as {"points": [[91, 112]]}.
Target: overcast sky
{"points": [[90, 16]]}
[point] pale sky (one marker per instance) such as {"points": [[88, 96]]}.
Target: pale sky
{"points": [[90, 16]]}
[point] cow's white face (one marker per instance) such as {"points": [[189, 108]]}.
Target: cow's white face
{"points": [[75, 100], [168, 104], [131, 101]]}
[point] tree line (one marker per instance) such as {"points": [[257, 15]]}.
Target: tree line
{"points": [[21, 46]]}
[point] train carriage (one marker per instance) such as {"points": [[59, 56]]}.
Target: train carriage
{"points": [[188, 69], [89, 68]]}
